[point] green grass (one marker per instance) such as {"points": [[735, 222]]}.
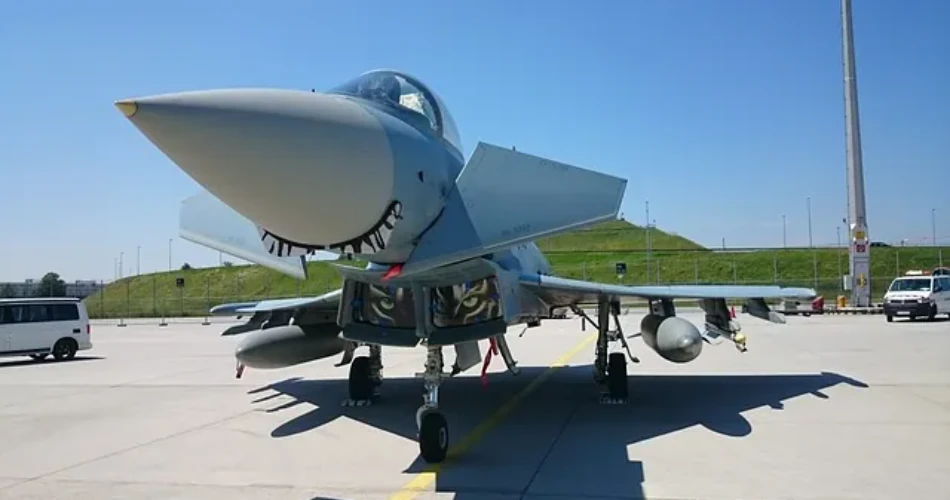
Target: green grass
{"points": [[586, 254], [615, 236]]}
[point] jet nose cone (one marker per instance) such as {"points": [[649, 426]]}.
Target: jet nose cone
{"points": [[309, 168], [128, 107]]}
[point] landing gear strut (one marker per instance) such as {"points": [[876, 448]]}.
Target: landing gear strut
{"points": [[432, 425], [610, 370], [366, 375]]}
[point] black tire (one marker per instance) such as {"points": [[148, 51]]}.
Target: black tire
{"points": [[39, 357], [361, 380], [65, 349], [617, 376], [433, 437], [933, 313], [890, 318]]}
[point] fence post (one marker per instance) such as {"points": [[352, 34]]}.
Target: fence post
{"points": [[207, 300], [102, 299], [775, 267], [121, 319], [163, 322]]}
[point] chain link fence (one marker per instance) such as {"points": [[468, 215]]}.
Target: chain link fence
{"points": [[193, 292]]}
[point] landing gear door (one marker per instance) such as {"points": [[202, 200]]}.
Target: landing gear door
{"points": [[377, 314]]}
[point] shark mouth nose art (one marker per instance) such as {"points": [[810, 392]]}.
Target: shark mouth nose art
{"points": [[373, 241]]}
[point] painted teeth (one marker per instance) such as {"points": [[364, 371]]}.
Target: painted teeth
{"points": [[372, 242]]}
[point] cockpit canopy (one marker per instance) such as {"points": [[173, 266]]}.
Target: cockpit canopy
{"points": [[405, 93]]}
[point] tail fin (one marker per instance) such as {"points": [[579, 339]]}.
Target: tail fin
{"points": [[208, 221], [503, 198]]}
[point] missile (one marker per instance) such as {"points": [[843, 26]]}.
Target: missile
{"points": [[673, 338], [289, 345]]}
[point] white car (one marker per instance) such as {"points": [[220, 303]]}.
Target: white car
{"points": [[917, 295], [44, 326]]}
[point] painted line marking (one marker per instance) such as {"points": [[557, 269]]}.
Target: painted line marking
{"points": [[421, 482]]}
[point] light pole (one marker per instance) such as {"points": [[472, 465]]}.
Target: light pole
{"points": [[121, 254], [933, 234], [814, 255], [808, 204], [138, 260], [840, 283], [859, 262], [649, 243], [784, 234], [169, 254]]}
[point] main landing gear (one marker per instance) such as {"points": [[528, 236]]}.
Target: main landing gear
{"points": [[366, 375], [610, 370]]}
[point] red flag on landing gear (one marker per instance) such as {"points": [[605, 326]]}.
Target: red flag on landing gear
{"points": [[492, 350]]}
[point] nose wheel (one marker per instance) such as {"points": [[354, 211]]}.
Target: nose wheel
{"points": [[433, 427], [433, 436]]}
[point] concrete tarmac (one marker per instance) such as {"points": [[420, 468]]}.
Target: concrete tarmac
{"points": [[843, 407]]}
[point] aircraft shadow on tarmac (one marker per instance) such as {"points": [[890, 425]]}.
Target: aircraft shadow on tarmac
{"points": [[595, 444], [14, 362]]}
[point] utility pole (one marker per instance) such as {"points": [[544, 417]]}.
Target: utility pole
{"points": [[169, 254], [121, 254], [859, 251], [138, 260]]}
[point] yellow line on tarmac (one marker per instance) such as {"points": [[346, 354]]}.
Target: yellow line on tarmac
{"points": [[423, 480]]}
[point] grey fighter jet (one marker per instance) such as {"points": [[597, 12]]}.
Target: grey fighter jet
{"points": [[374, 169]]}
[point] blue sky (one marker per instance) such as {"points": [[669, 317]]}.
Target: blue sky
{"points": [[689, 100]]}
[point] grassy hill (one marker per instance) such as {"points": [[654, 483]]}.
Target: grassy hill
{"points": [[587, 254], [615, 235]]}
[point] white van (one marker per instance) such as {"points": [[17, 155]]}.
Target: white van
{"points": [[918, 294], [43, 326]]}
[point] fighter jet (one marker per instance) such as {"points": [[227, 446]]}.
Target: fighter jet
{"points": [[374, 169]]}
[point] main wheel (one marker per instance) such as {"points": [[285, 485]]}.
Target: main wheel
{"points": [[433, 437], [361, 380], [617, 375], [65, 349]]}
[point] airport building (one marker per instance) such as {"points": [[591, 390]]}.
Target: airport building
{"points": [[28, 288]]}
